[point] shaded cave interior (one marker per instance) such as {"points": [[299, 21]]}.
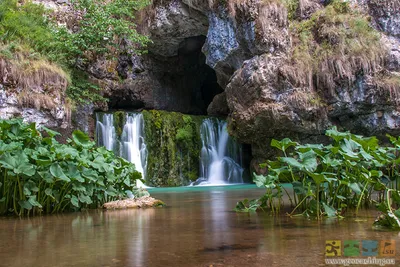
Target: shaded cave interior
{"points": [[181, 83]]}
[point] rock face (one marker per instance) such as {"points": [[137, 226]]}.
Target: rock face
{"points": [[34, 91], [264, 103], [233, 58]]}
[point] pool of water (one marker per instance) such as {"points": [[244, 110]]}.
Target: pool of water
{"points": [[197, 228]]}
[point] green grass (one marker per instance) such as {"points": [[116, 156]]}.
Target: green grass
{"points": [[31, 27]]}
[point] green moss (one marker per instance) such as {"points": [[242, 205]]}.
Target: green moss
{"points": [[291, 6], [173, 143], [119, 121]]}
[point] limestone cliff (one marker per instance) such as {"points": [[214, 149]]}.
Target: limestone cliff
{"points": [[290, 68], [275, 68]]}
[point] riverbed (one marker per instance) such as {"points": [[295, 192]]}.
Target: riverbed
{"points": [[197, 228]]}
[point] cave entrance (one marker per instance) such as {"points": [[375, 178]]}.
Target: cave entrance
{"points": [[197, 75], [182, 83]]}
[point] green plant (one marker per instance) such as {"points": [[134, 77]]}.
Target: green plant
{"points": [[39, 174], [101, 29], [328, 180], [247, 205], [390, 217], [82, 91]]}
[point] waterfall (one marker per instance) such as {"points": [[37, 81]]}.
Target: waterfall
{"points": [[133, 145], [130, 145], [221, 156], [105, 131]]}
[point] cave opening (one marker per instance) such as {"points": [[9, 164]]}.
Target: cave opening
{"points": [[182, 83], [201, 77]]}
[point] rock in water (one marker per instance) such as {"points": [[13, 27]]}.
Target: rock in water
{"points": [[142, 202]]}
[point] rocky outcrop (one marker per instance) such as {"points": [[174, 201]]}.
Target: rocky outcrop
{"points": [[251, 60], [264, 105], [219, 106], [171, 22], [34, 90], [266, 101]]}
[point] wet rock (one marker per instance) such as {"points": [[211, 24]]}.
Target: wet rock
{"points": [[219, 106], [134, 203]]}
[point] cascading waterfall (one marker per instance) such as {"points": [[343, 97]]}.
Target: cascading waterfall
{"points": [[221, 156], [105, 131], [131, 146]]}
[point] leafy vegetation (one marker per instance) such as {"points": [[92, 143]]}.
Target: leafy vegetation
{"points": [[83, 91], [39, 174], [352, 172], [100, 29]]}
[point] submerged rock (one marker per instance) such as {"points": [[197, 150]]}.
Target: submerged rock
{"points": [[134, 203]]}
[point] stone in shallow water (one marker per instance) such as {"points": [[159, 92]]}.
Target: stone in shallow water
{"points": [[142, 202]]}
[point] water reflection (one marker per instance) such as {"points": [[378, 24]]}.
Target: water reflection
{"points": [[198, 228]]}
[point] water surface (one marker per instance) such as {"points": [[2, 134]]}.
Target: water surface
{"points": [[198, 228]]}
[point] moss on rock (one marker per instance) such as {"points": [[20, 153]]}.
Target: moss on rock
{"points": [[119, 121], [173, 143]]}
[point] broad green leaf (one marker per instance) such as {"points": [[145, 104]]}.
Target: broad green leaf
{"points": [[48, 192], [259, 180], [90, 174], [283, 144], [355, 187], [112, 192], [57, 172], [50, 132], [336, 135], [25, 204], [317, 177], [33, 202], [85, 199], [291, 162], [81, 139], [74, 201], [309, 160], [330, 212], [19, 163], [46, 176], [78, 187]]}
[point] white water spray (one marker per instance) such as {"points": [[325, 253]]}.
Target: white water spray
{"points": [[105, 131], [132, 146], [220, 161]]}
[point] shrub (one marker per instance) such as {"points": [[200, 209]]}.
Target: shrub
{"points": [[41, 175], [328, 180]]}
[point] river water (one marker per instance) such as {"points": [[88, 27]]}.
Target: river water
{"points": [[197, 228]]}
